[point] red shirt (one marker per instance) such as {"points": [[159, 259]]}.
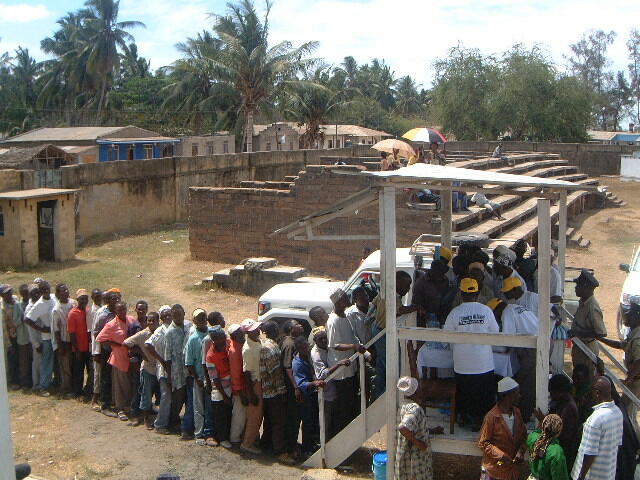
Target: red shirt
{"points": [[235, 363], [220, 360], [77, 324]]}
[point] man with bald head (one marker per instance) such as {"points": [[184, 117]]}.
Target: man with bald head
{"points": [[601, 437]]}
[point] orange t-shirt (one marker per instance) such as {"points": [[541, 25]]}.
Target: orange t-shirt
{"points": [[220, 360], [235, 364]]}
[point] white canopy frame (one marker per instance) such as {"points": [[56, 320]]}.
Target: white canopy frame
{"points": [[442, 178]]}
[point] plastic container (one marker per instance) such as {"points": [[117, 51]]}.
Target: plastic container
{"points": [[379, 465]]}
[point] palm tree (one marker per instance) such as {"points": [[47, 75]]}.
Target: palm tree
{"points": [[311, 102], [132, 64], [407, 97], [194, 88], [107, 34], [249, 64]]}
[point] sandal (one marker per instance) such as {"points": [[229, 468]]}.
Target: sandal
{"points": [[201, 442], [123, 416], [211, 442]]}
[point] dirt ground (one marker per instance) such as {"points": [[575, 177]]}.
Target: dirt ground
{"points": [[66, 440]]}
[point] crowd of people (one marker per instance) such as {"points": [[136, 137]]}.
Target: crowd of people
{"points": [[254, 386]]}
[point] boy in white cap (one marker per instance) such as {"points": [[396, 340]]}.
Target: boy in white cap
{"points": [[251, 368], [413, 453], [503, 435]]}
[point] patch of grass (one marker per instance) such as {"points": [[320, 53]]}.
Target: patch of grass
{"points": [[124, 262]]}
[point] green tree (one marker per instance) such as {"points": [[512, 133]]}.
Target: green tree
{"points": [[134, 65], [107, 35], [250, 65], [408, 98], [311, 103], [633, 47]]}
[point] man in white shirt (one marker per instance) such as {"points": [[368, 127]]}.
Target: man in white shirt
{"points": [[342, 344], [154, 348], [515, 292], [357, 315], [601, 437], [40, 319], [556, 288], [92, 317], [473, 364]]}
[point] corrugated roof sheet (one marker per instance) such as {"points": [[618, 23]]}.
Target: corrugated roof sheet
{"points": [[64, 133], [422, 172], [35, 193]]}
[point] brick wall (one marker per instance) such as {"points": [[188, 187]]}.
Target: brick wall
{"points": [[229, 224]]}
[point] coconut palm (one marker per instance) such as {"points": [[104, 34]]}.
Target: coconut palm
{"points": [[247, 62], [407, 97], [107, 34], [132, 64], [311, 103]]}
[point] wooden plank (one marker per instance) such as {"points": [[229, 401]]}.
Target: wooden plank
{"points": [[562, 236], [6, 452], [327, 238], [494, 339], [445, 222], [544, 310], [388, 276]]}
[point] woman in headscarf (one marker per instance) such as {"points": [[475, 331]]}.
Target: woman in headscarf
{"points": [[547, 460], [413, 454]]}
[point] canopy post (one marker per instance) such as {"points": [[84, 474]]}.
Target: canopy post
{"points": [[387, 203], [544, 307], [446, 197], [562, 236], [7, 469]]}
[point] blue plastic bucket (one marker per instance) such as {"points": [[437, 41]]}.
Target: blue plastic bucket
{"points": [[379, 465]]}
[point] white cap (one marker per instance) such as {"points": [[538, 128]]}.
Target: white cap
{"points": [[163, 308], [407, 385], [507, 384], [233, 328]]}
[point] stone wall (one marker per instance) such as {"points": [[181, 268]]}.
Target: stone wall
{"points": [[135, 195], [590, 158], [228, 224]]}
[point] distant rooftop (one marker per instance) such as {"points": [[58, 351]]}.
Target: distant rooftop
{"points": [[604, 136], [75, 134], [329, 129], [36, 193]]}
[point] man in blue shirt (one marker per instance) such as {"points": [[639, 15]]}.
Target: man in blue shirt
{"points": [[308, 385]]}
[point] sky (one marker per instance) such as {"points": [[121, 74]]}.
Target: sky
{"points": [[408, 34]]}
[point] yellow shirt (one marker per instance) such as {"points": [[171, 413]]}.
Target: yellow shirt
{"points": [[380, 304]]}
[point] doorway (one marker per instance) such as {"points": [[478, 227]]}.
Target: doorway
{"points": [[46, 241]]}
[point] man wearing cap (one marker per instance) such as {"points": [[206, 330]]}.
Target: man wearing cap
{"points": [[588, 322], [503, 435], [503, 259], [446, 255], [477, 272], [61, 310], [473, 364], [631, 347], [80, 344], [514, 292], [16, 337], [342, 344], [251, 369], [526, 266], [154, 348]]}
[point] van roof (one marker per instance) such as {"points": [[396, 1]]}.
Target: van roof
{"points": [[403, 260]]}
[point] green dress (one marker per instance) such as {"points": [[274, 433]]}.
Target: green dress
{"points": [[553, 466]]}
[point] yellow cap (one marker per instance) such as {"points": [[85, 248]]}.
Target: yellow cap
{"points": [[469, 285], [510, 283], [446, 253], [493, 303]]}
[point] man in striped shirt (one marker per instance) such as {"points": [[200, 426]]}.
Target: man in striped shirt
{"points": [[601, 437]]}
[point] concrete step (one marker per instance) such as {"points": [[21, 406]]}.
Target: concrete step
{"points": [[584, 243]]}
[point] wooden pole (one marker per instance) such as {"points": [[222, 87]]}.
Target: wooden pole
{"points": [[445, 217], [544, 308], [7, 469], [562, 236], [388, 275]]}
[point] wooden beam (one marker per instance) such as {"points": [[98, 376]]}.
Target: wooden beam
{"points": [[387, 204], [7, 469], [445, 218], [562, 236], [494, 339], [544, 308]]}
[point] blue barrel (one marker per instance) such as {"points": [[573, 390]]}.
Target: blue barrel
{"points": [[379, 465]]}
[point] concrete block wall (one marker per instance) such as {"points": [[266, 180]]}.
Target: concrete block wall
{"points": [[229, 224], [591, 158]]}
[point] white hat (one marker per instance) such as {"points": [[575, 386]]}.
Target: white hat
{"points": [[163, 308], [407, 385], [507, 384], [233, 328], [249, 325]]}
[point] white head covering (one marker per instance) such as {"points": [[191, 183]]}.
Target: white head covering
{"points": [[163, 308], [407, 385], [507, 384]]}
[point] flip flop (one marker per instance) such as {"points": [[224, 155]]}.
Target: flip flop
{"points": [[201, 442], [123, 416], [211, 442]]}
